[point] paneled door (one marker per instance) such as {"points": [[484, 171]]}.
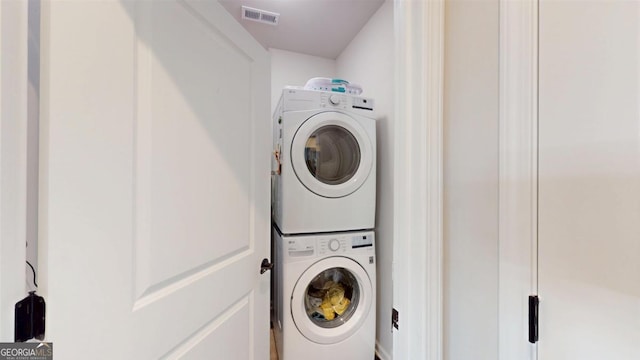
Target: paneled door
{"points": [[589, 180], [154, 208]]}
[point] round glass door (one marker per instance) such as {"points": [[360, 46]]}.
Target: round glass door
{"points": [[332, 154], [331, 300]]}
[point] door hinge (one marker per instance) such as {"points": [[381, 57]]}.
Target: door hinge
{"points": [[30, 318], [394, 318], [533, 318]]}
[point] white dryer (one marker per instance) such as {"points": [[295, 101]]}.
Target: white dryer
{"points": [[324, 162], [325, 296]]}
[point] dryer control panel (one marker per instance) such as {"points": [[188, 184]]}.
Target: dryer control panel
{"points": [[334, 100], [345, 102], [295, 99]]}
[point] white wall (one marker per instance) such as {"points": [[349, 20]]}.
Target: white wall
{"points": [[291, 68], [368, 61], [471, 180]]}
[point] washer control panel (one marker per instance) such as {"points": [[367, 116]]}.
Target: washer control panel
{"points": [[337, 244], [300, 247], [328, 244], [361, 241]]}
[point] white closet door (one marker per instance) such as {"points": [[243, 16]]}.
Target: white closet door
{"points": [[589, 194], [154, 181]]}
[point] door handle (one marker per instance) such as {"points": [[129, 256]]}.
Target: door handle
{"points": [[265, 266]]}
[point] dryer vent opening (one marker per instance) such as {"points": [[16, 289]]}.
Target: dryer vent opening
{"points": [[262, 16]]}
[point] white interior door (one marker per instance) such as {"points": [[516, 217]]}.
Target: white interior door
{"points": [[154, 181], [589, 178]]}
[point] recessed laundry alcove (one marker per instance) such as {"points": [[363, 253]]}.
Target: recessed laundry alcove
{"points": [[351, 40]]}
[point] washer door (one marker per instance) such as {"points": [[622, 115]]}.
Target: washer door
{"points": [[332, 154], [331, 300]]}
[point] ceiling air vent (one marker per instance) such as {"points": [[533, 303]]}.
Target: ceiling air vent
{"points": [[258, 15]]}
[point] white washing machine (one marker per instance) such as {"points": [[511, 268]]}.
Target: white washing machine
{"points": [[325, 296], [324, 162]]}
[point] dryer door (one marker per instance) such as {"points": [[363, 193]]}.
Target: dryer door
{"points": [[331, 300], [332, 154]]}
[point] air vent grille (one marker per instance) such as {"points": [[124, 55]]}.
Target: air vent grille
{"points": [[265, 17], [252, 15]]}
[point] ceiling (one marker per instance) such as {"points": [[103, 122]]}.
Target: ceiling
{"points": [[315, 27]]}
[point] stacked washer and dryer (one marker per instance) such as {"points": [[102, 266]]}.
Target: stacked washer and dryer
{"points": [[323, 203]]}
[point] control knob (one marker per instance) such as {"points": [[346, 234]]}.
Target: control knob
{"points": [[334, 99], [334, 245]]}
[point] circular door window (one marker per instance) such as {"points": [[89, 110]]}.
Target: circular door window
{"points": [[332, 297], [331, 300], [331, 154]]}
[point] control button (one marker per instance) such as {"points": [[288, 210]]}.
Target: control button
{"points": [[334, 245], [334, 99]]}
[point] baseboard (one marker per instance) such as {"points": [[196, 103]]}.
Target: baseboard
{"points": [[381, 353]]}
